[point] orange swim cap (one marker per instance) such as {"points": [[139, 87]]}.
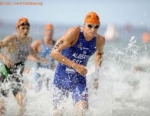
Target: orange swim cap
{"points": [[22, 21], [92, 18], [145, 37], [48, 26]]}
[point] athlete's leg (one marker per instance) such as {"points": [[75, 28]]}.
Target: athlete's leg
{"points": [[49, 74], [47, 83], [59, 98], [20, 98], [81, 108], [2, 107], [3, 93], [37, 82], [80, 97], [18, 92]]}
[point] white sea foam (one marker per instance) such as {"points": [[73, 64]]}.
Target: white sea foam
{"points": [[124, 84]]}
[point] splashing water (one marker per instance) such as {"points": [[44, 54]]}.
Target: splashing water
{"points": [[124, 84]]}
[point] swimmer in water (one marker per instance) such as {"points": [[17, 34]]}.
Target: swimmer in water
{"points": [[16, 49], [73, 51], [43, 48]]}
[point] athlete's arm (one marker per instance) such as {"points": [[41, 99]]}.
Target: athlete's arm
{"points": [[35, 47], [99, 51], [6, 43], [98, 57], [67, 40], [38, 58]]}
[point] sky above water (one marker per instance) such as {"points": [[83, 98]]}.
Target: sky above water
{"points": [[119, 12]]}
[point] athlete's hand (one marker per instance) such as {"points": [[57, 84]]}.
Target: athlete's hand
{"points": [[43, 60], [7, 62], [80, 69]]}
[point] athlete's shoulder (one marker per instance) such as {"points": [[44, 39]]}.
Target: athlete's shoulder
{"points": [[71, 35], [100, 39], [9, 38], [74, 30], [37, 43]]}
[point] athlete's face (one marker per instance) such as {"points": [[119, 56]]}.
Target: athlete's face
{"points": [[23, 31], [90, 29], [48, 33]]}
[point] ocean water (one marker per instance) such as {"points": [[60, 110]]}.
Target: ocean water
{"points": [[124, 83]]}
